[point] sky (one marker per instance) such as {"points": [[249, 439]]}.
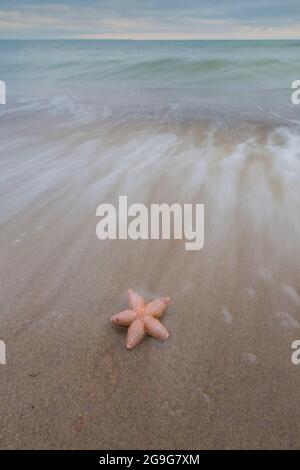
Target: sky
{"points": [[150, 19]]}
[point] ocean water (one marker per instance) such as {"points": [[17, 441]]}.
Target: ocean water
{"points": [[161, 79], [204, 121]]}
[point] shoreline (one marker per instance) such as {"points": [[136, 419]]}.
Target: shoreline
{"points": [[69, 381]]}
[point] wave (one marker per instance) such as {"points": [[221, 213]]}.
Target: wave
{"points": [[250, 175], [174, 68], [181, 79]]}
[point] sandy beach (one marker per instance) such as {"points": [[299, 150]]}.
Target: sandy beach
{"points": [[224, 378]]}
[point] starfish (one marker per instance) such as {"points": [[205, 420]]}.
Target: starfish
{"points": [[142, 318]]}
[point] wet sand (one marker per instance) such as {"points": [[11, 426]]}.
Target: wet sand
{"points": [[224, 378]]}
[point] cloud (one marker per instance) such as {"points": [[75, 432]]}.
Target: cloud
{"points": [[149, 19]]}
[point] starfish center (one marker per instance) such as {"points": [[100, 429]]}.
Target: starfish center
{"points": [[142, 318]]}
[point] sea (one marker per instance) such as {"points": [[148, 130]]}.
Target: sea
{"points": [[176, 121]]}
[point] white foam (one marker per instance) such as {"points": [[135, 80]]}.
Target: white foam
{"points": [[287, 320], [292, 293], [250, 357], [205, 396], [265, 274], [228, 318]]}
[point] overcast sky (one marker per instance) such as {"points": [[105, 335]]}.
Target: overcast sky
{"points": [[150, 19]]}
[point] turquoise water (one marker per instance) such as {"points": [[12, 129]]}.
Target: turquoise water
{"points": [[178, 79]]}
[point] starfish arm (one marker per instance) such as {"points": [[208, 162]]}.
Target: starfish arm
{"points": [[124, 318], [135, 333], [155, 328], [136, 302], [157, 307]]}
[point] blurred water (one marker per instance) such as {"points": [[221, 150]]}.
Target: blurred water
{"points": [[180, 79], [180, 121]]}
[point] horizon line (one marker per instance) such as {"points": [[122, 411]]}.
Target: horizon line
{"points": [[148, 39]]}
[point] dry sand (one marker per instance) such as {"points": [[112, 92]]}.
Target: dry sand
{"points": [[223, 379]]}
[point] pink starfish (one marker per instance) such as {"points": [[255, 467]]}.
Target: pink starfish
{"points": [[141, 318]]}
